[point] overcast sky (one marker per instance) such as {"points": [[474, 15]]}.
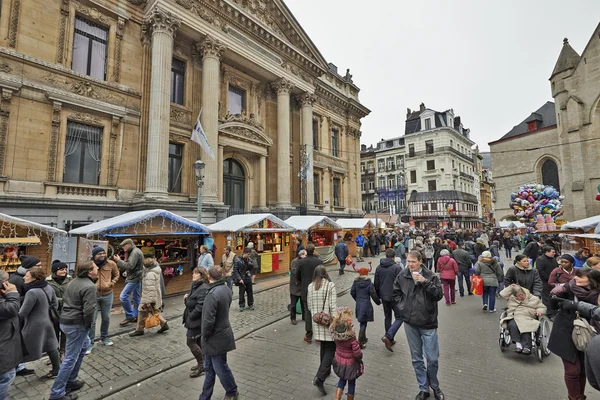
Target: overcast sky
{"points": [[489, 61]]}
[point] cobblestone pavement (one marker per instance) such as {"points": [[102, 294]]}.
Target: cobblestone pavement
{"points": [[130, 360]]}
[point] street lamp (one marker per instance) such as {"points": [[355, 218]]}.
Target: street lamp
{"points": [[198, 167]]}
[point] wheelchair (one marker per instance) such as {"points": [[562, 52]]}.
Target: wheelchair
{"points": [[539, 342]]}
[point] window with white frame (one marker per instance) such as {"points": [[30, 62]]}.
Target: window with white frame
{"points": [[90, 42], [83, 154]]}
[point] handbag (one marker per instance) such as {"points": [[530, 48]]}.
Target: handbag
{"points": [[349, 260], [583, 332], [477, 285], [153, 319], [322, 318], [52, 312]]}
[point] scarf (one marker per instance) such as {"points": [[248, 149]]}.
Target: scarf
{"points": [[585, 294], [34, 285], [195, 285], [59, 279], [100, 263]]}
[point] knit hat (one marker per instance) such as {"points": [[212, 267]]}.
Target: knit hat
{"points": [[569, 258], [398, 260], [363, 271], [96, 250], [444, 253], [126, 241], [28, 262], [58, 266], [486, 254], [148, 255]]}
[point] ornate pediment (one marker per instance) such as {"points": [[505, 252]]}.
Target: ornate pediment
{"points": [[244, 128]]}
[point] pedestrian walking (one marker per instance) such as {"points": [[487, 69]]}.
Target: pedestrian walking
{"points": [[429, 253], [299, 247], [304, 277], [522, 274], [132, 268], [532, 250], [478, 249], [192, 317], [322, 298], [385, 275], [508, 245], [151, 299], [11, 352], [58, 281], [242, 278], [417, 291], [295, 289], [37, 330], [463, 260], [205, 259], [254, 260], [360, 243], [500, 277], [373, 244], [490, 272], [347, 363], [495, 249], [448, 270], [362, 291], [592, 262], [341, 253], [79, 304], [545, 264], [227, 265], [217, 337], [108, 276]]}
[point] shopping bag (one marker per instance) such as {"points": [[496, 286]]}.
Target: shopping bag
{"points": [[153, 319], [298, 307], [477, 285]]}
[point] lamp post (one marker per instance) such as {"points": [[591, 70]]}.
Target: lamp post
{"points": [[198, 168]]}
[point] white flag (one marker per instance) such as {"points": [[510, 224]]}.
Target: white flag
{"points": [[199, 137]]}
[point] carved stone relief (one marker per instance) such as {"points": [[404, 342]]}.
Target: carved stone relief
{"points": [[4, 115], [118, 49], [181, 117], [14, 23], [83, 88], [4, 67], [53, 151], [160, 20], [114, 133], [92, 13], [64, 16], [85, 118]]}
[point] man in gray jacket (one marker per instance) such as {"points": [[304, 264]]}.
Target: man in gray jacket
{"points": [[463, 259], [10, 337], [132, 266], [79, 305]]}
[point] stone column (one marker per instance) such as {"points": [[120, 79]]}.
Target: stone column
{"points": [[5, 99], [346, 190], [262, 195], [220, 174], [211, 50], [308, 100], [163, 26], [283, 87]]}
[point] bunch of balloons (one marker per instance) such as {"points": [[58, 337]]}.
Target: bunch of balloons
{"points": [[598, 195], [533, 199]]}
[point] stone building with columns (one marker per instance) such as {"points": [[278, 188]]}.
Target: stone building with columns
{"points": [[99, 99]]}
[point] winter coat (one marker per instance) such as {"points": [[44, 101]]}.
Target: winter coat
{"points": [[59, 289], [526, 278], [486, 239], [429, 251], [417, 302], [306, 268], [108, 276], [579, 261], [11, 352], [17, 279], [479, 249], [217, 335], [341, 251], [348, 356], [592, 362], [299, 249], [462, 258], [385, 275], [494, 249], [362, 292], [508, 243], [79, 302], [399, 250], [316, 302], [295, 288], [151, 293], [192, 316], [490, 271], [254, 260], [38, 332], [532, 250], [242, 270], [447, 268], [559, 275], [360, 240], [545, 265], [523, 312], [205, 260], [133, 266]]}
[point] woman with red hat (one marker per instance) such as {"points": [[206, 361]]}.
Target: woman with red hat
{"points": [[362, 292]]}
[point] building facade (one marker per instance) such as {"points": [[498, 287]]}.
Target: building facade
{"points": [[487, 197], [368, 184], [99, 99], [391, 184]]}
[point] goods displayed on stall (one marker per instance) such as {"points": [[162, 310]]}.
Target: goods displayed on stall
{"points": [[351, 227], [19, 237], [270, 238], [587, 234], [318, 230], [170, 238], [538, 205]]}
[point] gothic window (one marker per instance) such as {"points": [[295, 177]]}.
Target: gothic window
{"points": [[550, 174], [177, 81], [83, 147], [89, 49]]}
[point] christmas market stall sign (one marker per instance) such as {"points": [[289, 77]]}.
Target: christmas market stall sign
{"points": [[318, 230]]}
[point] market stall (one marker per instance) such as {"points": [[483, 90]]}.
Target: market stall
{"points": [[272, 239], [351, 227], [20, 237], [320, 231], [172, 239], [587, 234]]}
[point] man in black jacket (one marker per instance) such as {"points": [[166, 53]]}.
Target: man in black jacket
{"points": [[304, 275], [417, 291], [385, 275], [10, 339], [545, 264], [79, 305], [217, 336], [242, 277], [341, 252], [27, 262], [463, 259], [532, 250]]}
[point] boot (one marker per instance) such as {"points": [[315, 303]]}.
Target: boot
{"points": [[200, 359], [361, 339], [350, 397], [338, 394]]}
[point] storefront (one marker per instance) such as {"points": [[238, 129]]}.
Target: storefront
{"points": [[351, 227], [20, 237], [271, 237], [320, 231], [172, 239]]}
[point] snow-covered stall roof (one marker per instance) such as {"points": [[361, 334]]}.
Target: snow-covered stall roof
{"points": [[306, 222], [511, 224], [355, 223], [9, 224], [251, 223], [173, 224], [585, 224]]}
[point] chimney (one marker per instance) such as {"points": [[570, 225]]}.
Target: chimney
{"points": [[363, 147], [422, 107], [456, 122], [408, 112]]}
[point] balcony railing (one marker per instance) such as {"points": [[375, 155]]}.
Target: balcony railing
{"points": [[391, 167], [467, 176]]}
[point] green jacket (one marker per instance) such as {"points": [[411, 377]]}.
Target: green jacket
{"points": [[59, 289]]}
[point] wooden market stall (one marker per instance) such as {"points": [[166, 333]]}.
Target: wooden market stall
{"points": [[318, 230], [351, 227], [172, 239], [587, 233], [20, 237], [272, 239]]}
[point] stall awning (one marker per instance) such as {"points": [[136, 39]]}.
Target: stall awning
{"points": [[142, 221], [30, 225], [251, 223], [306, 222], [355, 223], [585, 224]]}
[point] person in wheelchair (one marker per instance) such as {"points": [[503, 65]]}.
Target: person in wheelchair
{"points": [[524, 275], [522, 315]]}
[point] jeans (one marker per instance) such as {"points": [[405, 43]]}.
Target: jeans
{"points": [[78, 342], [516, 336], [363, 327], [247, 289], [6, 379], [133, 289], [429, 263], [489, 297], [351, 386], [424, 341], [229, 282], [508, 252], [388, 307], [449, 291], [104, 304], [327, 353], [294, 300], [307, 320], [391, 333], [217, 366], [466, 275]]}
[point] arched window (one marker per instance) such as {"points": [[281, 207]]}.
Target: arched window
{"points": [[550, 174]]}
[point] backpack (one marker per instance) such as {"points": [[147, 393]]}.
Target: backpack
{"points": [[583, 332]]}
